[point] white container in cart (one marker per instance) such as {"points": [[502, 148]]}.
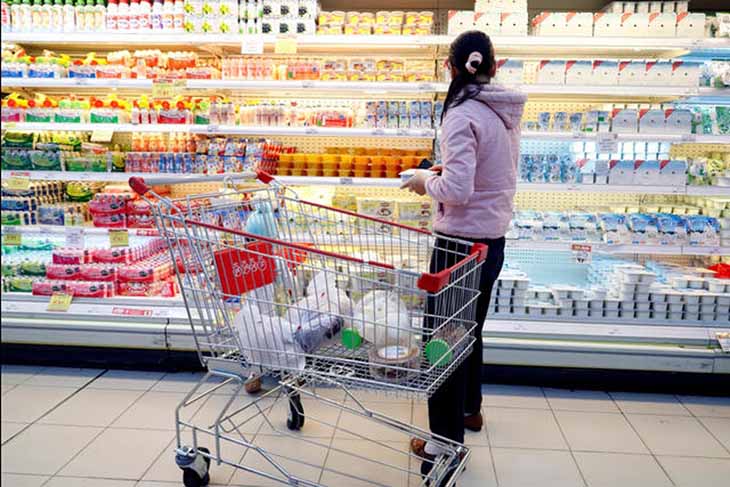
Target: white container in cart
{"points": [[272, 285]]}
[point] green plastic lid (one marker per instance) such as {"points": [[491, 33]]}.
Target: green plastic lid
{"points": [[438, 353], [351, 338]]}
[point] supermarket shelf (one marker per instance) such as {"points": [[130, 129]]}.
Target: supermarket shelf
{"points": [[162, 324], [506, 45], [121, 177], [226, 129], [622, 92], [663, 137], [60, 230]]}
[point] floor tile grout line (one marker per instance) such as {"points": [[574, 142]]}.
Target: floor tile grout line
{"points": [[651, 452], [565, 438], [697, 418], [103, 429], [63, 401], [489, 440]]}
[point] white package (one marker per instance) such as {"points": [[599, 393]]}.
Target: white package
{"points": [[383, 319], [691, 25], [634, 25], [549, 24], [579, 24], [488, 23], [662, 25], [631, 73], [607, 25], [460, 21], [551, 72], [513, 23], [685, 73], [578, 72], [605, 73]]}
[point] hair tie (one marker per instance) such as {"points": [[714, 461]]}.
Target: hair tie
{"points": [[473, 62]]}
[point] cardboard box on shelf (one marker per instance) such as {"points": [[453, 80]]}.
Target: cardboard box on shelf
{"points": [[578, 72], [488, 23], [634, 25], [460, 21], [549, 24], [631, 73], [551, 72]]}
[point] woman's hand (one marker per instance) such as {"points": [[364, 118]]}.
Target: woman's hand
{"points": [[417, 182]]}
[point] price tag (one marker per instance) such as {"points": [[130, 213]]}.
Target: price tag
{"points": [[307, 84], [607, 143], [118, 238], [18, 181], [285, 45], [310, 130], [379, 131], [75, 237], [102, 135], [578, 135], [346, 181], [81, 81], [9, 125], [724, 339], [12, 236], [252, 44], [212, 129], [60, 302], [166, 88], [688, 138], [582, 253], [425, 87]]}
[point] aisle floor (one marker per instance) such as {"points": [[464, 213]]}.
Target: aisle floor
{"points": [[107, 428]]}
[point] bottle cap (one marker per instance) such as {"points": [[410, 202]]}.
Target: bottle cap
{"points": [[351, 338], [438, 353]]}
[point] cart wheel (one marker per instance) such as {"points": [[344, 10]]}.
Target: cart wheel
{"points": [[191, 478], [295, 421]]}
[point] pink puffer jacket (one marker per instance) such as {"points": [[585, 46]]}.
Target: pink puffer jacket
{"points": [[480, 148]]}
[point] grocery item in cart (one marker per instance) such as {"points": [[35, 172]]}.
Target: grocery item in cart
{"points": [[382, 319]]}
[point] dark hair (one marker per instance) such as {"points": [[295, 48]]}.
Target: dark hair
{"points": [[465, 85]]}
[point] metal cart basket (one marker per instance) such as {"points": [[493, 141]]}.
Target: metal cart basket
{"points": [[326, 301]]}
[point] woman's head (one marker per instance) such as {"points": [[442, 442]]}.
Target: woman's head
{"points": [[471, 60]]}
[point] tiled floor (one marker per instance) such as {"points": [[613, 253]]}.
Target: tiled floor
{"points": [[99, 428]]}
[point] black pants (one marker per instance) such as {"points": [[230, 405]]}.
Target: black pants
{"points": [[461, 393]]}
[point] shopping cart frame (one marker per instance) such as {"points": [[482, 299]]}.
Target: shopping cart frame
{"points": [[228, 375]]}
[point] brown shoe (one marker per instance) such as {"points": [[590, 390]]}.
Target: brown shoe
{"points": [[474, 422], [418, 447], [253, 386]]}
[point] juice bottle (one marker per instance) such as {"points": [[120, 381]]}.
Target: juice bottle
{"points": [[46, 15], [123, 15], [80, 16], [69, 16], [156, 17], [15, 21], [7, 21], [112, 15], [134, 15], [99, 16], [178, 16], [89, 12], [57, 16], [26, 16], [145, 11], [168, 16], [36, 24]]}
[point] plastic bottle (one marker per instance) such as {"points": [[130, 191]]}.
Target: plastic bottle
{"points": [[69, 16], [168, 16], [178, 16], [134, 15], [35, 16], [145, 12], [7, 20], [123, 15], [112, 15], [156, 17], [46, 12], [99, 16], [89, 12], [15, 20], [25, 16], [80, 16], [56, 24]]}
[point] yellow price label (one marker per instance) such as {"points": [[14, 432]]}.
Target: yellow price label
{"points": [[285, 45], [60, 302], [13, 238], [102, 135], [168, 88], [18, 182], [118, 238]]}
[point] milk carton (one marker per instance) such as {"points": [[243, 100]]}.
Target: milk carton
{"points": [[605, 73], [691, 25], [625, 121], [651, 121], [621, 172], [631, 73], [662, 25], [685, 73], [634, 25], [657, 73], [678, 121], [488, 23], [579, 24], [551, 72], [460, 21], [509, 72], [672, 173], [513, 23], [549, 24], [578, 72], [607, 25]]}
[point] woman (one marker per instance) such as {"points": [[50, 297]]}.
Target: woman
{"points": [[480, 131]]}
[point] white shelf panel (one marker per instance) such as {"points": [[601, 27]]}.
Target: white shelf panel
{"points": [[515, 45], [620, 91], [664, 137], [622, 249]]}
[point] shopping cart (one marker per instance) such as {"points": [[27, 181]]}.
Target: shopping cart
{"points": [[326, 301]]}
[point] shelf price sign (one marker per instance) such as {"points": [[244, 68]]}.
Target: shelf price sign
{"points": [[252, 44], [18, 181], [119, 238], [12, 236], [75, 237], [167, 88], [724, 340], [583, 254], [607, 143], [285, 45], [60, 302]]}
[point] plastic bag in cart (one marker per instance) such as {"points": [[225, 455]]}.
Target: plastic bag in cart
{"points": [[383, 319]]}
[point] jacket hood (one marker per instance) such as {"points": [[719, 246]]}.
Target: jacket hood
{"points": [[506, 103]]}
